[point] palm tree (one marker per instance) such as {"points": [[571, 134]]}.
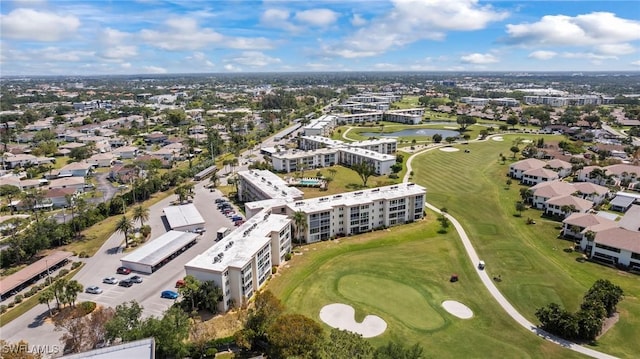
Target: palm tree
{"points": [[71, 291], [300, 224], [214, 179], [45, 297], [124, 226], [140, 214]]}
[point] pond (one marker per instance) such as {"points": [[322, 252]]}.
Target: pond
{"points": [[413, 132]]}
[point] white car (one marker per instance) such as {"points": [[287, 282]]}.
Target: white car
{"points": [[110, 280], [199, 230], [94, 289]]}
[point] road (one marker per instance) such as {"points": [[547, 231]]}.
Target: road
{"points": [[32, 325], [488, 282]]}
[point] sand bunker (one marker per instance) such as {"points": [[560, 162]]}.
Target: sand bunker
{"points": [[458, 309], [342, 316], [451, 127], [526, 141], [497, 138], [449, 149]]}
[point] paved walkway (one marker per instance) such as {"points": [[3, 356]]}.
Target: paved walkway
{"points": [[488, 282]]}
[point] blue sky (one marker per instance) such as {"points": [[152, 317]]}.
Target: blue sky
{"points": [[39, 37]]}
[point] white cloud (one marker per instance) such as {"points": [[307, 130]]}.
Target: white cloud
{"points": [[154, 70], [588, 56], [596, 28], [479, 59], [542, 55], [636, 63], [615, 49], [29, 24], [411, 21], [232, 68], [185, 34], [115, 45], [125, 65], [317, 17], [358, 20], [277, 18], [200, 59], [28, 3], [255, 59]]}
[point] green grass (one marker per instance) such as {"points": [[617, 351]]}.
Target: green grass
{"points": [[531, 259], [95, 236], [401, 275], [28, 304]]}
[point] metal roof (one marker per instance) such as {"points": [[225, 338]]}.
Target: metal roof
{"points": [[184, 215], [12, 281]]}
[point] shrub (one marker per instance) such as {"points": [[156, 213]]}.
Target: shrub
{"points": [[87, 307], [11, 305], [145, 231], [83, 254], [18, 298], [274, 269], [75, 265], [393, 176], [63, 272], [287, 257], [3, 308]]}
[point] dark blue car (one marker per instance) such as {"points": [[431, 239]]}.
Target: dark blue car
{"points": [[169, 294]]}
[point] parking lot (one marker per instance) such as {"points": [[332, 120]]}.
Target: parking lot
{"points": [[148, 292]]}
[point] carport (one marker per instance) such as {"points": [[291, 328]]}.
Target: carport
{"points": [[184, 217], [153, 255]]}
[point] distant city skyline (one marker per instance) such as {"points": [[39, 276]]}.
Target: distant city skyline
{"points": [[39, 37]]}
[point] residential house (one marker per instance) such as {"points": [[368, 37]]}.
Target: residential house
{"points": [[538, 175], [76, 183], [544, 191], [155, 138], [517, 169], [123, 174], [146, 158], [623, 201], [58, 196], [125, 152], [101, 159], [558, 206], [19, 160], [75, 169], [563, 168], [591, 191]]}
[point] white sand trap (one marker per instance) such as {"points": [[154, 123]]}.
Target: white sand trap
{"points": [[449, 149], [342, 316], [497, 138], [458, 309], [451, 127], [526, 141]]}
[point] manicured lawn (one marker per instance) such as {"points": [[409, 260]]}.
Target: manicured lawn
{"points": [[532, 261], [402, 275]]}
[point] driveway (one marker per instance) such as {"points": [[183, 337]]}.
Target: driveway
{"points": [[105, 187]]}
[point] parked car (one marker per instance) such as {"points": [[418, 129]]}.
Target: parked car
{"points": [[110, 280], [219, 200], [94, 289], [238, 223], [236, 218], [123, 270], [169, 294], [126, 283], [180, 283], [136, 279], [199, 230]]}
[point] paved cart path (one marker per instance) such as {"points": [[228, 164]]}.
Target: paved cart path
{"points": [[488, 282]]}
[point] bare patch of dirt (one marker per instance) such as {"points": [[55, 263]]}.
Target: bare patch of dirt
{"points": [[608, 324]]}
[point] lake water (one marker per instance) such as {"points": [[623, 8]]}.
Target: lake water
{"points": [[413, 132]]}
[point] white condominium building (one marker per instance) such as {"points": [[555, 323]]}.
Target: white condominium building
{"points": [[381, 162], [292, 161], [361, 211], [257, 185], [240, 263], [554, 101], [321, 126], [378, 152], [372, 116]]}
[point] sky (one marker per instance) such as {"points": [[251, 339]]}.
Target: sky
{"points": [[102, 37]]}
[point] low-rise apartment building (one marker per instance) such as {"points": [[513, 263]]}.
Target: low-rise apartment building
{"points": [[240, 263], [257, 185]]}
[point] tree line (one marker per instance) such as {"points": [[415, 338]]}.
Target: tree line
{"points": [[598, 303]]}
